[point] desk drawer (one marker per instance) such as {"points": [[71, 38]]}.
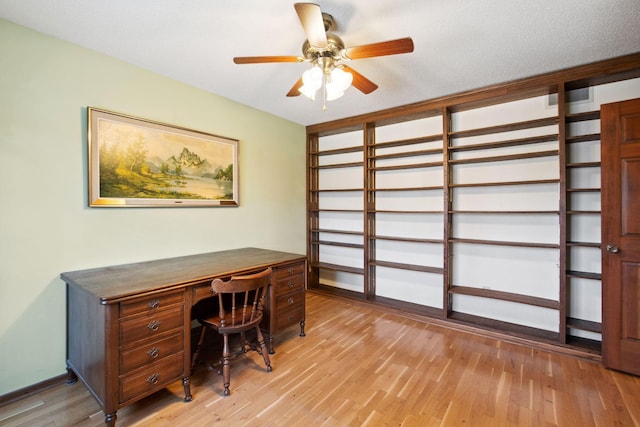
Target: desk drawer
{"points": [[289, 283], [290, 317], [151, 352], [289, 301], [150, 305], [289, 270], [153, 378], [151, 326], [200, 292]]}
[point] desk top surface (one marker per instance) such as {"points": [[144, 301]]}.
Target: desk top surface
{"points": [[121, 281]]}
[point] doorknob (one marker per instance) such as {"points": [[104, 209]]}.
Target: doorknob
{"points": [[613, 249]]}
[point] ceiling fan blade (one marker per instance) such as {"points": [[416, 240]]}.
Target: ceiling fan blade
{"points": [[391, 47], [310, 17], [360, 82], [294, 91], [265, 59]]}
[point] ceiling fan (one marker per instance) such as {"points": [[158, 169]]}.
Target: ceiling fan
{"points": [[327, 53]]}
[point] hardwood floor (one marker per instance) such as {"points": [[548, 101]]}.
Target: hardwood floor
{"points": [[366, 366]]}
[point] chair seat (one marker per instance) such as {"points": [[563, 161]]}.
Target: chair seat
{"points": [[215, 322]]}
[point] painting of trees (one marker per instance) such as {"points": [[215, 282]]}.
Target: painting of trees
{"points": [[139, 161]]}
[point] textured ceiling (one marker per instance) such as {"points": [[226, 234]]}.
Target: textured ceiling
{"points": [[459, 44]]}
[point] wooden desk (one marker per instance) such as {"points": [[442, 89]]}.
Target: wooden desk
{"points": [[129, 326]]}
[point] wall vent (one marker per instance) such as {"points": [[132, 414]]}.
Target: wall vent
{"points": [[584, 94]]}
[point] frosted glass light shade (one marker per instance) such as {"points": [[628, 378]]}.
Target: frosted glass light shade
{"points": [[339, 81], [312, 81]]}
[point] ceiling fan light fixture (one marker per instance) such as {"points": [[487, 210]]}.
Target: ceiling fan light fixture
{"points": [[312, 81], [327, 53], [308, 92], [339, 81], [333, 94], [312, 78], [335, 80]]}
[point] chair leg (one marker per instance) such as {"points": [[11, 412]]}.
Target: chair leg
{"points": [[263, 349], [243, 342], [196, 352], [226, 369]]}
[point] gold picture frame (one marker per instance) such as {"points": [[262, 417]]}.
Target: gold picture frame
{"points": [[135, 162]]}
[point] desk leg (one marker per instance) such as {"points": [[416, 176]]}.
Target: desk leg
{"points": [[186, 383], [72, 378], [110, 419], [271, 350], [302, 329]]}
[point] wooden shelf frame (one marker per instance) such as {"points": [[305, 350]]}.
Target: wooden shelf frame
{"points": [[582, 117], [583, 212], [509, 127], [335, 151], [506, 143], [334, 243], [568, 322], [391, 211], [505, 296], [338, 190], [506, 157], [583, 165], [506, 183], [582, 138], [405, 266], [408, 166], [584, 190], [416, 153], [584, 244], [532, 245], [408, 239], [426, 188], [409, 142], [505, 212], [336, 231], [584, 275], [340, 165], [584, 325], [336, 267], [559, 83], [335, 210]]}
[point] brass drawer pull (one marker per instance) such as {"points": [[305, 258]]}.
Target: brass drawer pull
{"points": [[154, 304], [153, 379], [154, 352], [290, 300], [290, 270], [154, 325], [290, 284]]}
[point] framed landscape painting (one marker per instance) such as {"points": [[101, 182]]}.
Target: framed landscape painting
{"points": [[137, 162]]}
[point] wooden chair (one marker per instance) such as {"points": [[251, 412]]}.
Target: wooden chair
{"points": [[241, 302]]}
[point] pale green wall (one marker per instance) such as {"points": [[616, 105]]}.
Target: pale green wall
{"points": [[45, 225]]}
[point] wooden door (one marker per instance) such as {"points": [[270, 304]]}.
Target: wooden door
{"points": [[620, 141]]}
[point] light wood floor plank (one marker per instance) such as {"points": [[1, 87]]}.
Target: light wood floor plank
{"points": [[361, 365]]}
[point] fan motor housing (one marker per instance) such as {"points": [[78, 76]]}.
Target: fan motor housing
{"points": [[334, 46]]}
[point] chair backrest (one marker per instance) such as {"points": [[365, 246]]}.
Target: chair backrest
{"points": [[247, 300]]}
